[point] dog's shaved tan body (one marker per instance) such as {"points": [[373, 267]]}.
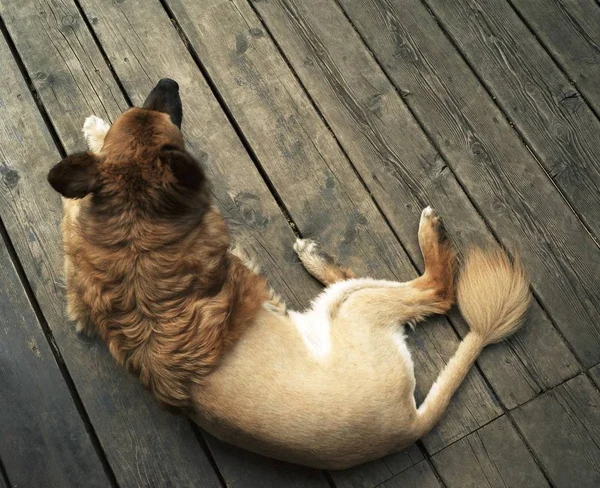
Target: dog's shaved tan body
{"points": [[330, 387]]}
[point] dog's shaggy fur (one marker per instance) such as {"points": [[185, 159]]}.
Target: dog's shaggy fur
{"points": [[146, 258], [149, 268]]}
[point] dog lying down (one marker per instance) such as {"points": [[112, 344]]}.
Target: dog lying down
{"points": [[150, 269]]}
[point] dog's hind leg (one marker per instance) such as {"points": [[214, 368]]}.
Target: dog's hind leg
{"points": [[411, 302], [319, 264], [440, 260]]}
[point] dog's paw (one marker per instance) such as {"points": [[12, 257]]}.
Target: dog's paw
{"points": [[305, 247], [94, 130], [428, 213], [431, 224], [94, 126]]}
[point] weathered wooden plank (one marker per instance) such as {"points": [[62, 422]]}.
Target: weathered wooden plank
{"points": [[418, 476], [49, 33], [570, 30], [141, 441], [562, 427], [242, 195], [493, 456], [310, 173], [43, 439], [467, 127], [538, 98], [399, 164]]}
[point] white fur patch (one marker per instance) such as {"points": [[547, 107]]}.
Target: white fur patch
{"points": [[314, 325], [314, 328]]}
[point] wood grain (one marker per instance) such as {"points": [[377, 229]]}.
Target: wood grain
{"points": [[141, 441], [50, 33], [300, 156], [311, 174], [562, 426], [570, 30], [402, 169], [42, 435], [494, 456], [539, 100]]}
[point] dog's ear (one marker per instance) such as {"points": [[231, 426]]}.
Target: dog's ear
{"points": [[186, 170], [75, 176]]}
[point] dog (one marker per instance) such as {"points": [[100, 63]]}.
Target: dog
{"points": [[150, 268]]}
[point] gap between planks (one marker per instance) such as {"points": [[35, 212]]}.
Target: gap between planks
{"points": [[558, 64]]}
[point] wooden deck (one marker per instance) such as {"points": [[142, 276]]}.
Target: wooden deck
{"points": [[338, 120]]}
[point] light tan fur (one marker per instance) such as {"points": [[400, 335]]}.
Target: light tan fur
{"points": [[331, 387]]}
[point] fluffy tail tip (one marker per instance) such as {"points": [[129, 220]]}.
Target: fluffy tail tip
{"points": [[493, 294]]}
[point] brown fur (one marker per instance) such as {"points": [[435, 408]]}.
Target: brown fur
{"points": [[155, 280], [149, 268]]}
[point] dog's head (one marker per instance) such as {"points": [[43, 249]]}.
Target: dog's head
{"points": [[143, 163]]}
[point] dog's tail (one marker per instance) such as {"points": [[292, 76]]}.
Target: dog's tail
{"points": [[493, 296]]}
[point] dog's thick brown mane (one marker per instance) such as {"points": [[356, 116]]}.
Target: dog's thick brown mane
{"points": [[151, 271]]}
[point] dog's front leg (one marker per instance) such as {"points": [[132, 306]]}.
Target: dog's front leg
{"points": [[320, 264]]}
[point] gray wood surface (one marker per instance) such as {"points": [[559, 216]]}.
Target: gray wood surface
{"points": [[141, 441], [311, 174], [494, 456], [497, 171], [50, 34], [562, 426], [42, 435], [418, 476], [402, 169], [570, 30], [549, 113]]}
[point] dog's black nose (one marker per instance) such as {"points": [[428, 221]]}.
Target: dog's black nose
{"points": [[167, 84], [165, 98]]}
